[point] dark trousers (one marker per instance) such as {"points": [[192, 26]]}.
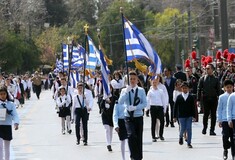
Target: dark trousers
{"points": [[81, 114], [134, 127], [233, 140], [157, 112], [227, 136], [37, 90], [210, 107], [169, 118]]}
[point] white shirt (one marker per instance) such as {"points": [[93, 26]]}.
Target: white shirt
{"points": [[88, 101], [185, 96], [163, 87], [117, 84], [155, 97]]}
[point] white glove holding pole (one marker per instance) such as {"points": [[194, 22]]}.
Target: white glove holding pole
{"points": [[128, 88], [131, 108], [107, 105]]}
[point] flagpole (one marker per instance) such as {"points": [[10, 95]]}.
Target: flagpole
{"points": [[62, 57], [86, 27], [124, 43], [70, 46]]}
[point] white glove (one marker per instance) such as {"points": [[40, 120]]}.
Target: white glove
{"points": [[131, 108], [128, 88], [107, 105]]}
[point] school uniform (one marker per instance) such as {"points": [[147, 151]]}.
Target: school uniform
{"points": [[134, 119], [63, 102], [79, 112], [6, 125], [184, 111], [118, 121], [157, 104]]}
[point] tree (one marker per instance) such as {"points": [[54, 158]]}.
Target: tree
{"points": [[111, 29], [17, 54], [82, 10], [57, 12]]}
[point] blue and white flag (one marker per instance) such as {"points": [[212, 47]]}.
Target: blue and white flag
{"points": [[105, 75], [137, 46], [77, 56], [92, 60], [59, 65], [65, 56], [74, 78]]}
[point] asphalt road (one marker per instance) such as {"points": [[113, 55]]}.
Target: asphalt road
{"points": [[39, 138]]}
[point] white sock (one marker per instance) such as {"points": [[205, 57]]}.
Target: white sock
{"points": [[68, 122], [63, 123], [7, 149], [123, 144], [1, 149], [109, 134], [157, 127]]}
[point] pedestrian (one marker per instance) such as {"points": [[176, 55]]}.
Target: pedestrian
{"points": [[177, 91], [157, 104], [63, 102], [107, 106], [119, 126], [209, 88], [170, 86], [227, 132], [37, 84], [135, 101], [184, 111], [82, 104], [7, 114]]}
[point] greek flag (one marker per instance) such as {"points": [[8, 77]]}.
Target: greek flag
{"points": [[74, 78], [105, 78], [92, 60], [59, 65], [77, 60], [137, 46], [77, 57], [65, 56]]}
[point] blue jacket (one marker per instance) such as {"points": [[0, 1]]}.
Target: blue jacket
{"points": [[231, 107], [13, 114], [222, 107], [124, 99]]}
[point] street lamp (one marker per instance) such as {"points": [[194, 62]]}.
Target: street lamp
{"points": [[232, 25]]}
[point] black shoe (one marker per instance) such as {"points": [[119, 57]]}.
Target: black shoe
{"points": [[225, 155], [166, 125], [204, 131], [190, 146], [70, 131], [172, 125], [154, 140], [109, 148], [181, 142], [78, 142], [85, 143], [212, 133], [162, 138]]}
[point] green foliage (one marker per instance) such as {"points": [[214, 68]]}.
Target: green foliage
{"points": [[17, 54], [57, 12]]}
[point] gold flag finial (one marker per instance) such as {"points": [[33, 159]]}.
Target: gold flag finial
{"points": [[86, 27]]}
